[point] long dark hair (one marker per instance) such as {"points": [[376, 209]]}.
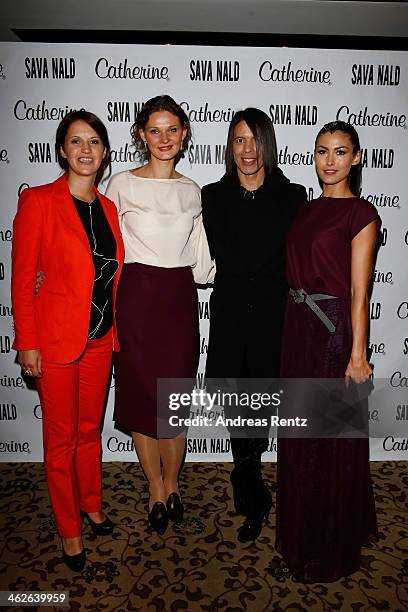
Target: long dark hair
{"points": [[96, 124], [354, 177], [156, 105], [262, 129]]}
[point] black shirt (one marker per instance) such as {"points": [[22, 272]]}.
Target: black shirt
{"points": [[247, 232], [103, 250]]}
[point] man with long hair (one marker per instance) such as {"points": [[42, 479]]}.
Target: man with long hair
{"points": [[247, 215]]}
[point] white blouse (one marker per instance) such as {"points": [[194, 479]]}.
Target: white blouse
{"points": [[161, 223]]}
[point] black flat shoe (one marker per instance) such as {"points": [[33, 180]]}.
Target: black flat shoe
{"points": [[103, 529], [252, 525], [158, 518], [75, 563], [175, 509]]}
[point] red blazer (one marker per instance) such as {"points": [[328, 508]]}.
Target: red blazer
{"points": [[48, 235]]}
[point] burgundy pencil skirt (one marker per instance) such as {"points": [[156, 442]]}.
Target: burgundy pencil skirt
{"points": [[158, 329]]}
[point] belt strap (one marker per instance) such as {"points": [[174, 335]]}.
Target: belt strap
{"points": [[300, 296]]}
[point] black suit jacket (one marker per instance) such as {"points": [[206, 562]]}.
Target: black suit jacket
{"points": [[247, 235]]}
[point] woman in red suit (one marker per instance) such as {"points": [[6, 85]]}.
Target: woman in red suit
{"points": [[65, 332]]}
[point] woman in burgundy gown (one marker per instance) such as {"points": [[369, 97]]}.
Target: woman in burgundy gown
{"points": [[325, 503]]}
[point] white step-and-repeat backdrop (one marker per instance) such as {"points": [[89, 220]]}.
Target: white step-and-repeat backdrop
{"points": [[300, 89]]}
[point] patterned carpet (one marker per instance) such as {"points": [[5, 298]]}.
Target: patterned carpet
{"points": [[198, 566]]}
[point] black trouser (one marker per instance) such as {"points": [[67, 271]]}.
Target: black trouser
{"points": [[248, 487], [246, 344]]}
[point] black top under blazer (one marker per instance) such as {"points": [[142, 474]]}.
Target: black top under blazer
{"points": [[246, 233]]}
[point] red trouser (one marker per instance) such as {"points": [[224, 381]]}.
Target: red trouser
{"points": [[72, 400]]}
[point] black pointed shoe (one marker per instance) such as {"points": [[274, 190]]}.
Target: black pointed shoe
{"points": [[158, 518], [102, 529], [75, 563], [252, 526], [175, 509]]}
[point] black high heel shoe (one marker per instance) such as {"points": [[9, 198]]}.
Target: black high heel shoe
{"points": [[103, 529], [252, 526], [75, 563], [158, 518], [175, 509]]}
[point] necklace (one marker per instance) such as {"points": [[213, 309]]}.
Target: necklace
{"points": [[87, 201], [249, 194]]}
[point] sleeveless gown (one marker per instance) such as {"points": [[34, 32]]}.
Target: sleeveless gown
{"points": [[325, 502]]}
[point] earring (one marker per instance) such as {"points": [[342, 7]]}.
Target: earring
{"points": [[145, 145]]}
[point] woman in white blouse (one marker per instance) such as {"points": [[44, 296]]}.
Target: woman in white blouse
{"points": [[166, 252]]}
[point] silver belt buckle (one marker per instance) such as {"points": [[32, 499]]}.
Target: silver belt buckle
{"points": [[298, 295]]}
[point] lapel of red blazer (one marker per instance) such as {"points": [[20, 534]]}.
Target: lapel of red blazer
{"points": [[63, 201], [112, 217]]}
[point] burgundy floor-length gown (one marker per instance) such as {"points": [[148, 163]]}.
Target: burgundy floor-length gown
{"points": [[325, 502]]}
